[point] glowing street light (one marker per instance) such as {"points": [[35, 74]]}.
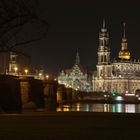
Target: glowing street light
{"points": [[47, 77], [40, 74], [26, 71], [16, 69]]}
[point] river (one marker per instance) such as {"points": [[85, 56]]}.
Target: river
{"points": [[92, 107]]}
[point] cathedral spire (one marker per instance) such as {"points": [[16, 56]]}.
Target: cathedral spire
{"points": [[124, 30], [124, 34], [103, 50], [103, 23], [77, 61], [124, 53], [103, 30]]}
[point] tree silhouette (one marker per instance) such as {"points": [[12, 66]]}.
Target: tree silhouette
{"points": [[19, 24]]}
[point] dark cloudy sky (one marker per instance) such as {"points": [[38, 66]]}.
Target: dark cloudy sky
{"points": [[75, 24]]}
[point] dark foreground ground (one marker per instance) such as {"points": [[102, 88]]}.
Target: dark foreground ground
{"points": [[70, 126]]}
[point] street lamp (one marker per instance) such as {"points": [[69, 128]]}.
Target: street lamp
{"points": [[26, 71], [40, 75], [16, 69], [47, 77]]}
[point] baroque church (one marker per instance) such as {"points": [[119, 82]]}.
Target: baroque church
{"points": [[121, 75], [76, 78]]}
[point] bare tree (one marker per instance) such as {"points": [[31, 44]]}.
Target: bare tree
{"points": [[19, 24]]}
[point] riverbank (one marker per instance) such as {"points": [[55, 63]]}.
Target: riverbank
{"points": [[69, 126]]}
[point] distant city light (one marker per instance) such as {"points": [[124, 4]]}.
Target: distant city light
{"points": [[114, 94], [40, 74], [47, 77], [16, 69], [129, 94], [26, 71], [119, 98]]}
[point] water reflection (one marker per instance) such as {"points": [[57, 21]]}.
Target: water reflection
{"points": [[89, 107], [130, 108]]}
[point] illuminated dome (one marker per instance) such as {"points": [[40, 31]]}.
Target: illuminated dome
{"points": [[124, 53]]}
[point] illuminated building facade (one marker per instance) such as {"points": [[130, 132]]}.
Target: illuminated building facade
{"points": [[13, 66], [8, 62], [76, 77], [121, 75], [12, 63]]}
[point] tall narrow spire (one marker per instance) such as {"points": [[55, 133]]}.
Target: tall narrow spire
{"points": [[103, 30], [103, 35], [124, 37], [124, 53], [124, 33], [104, 49], [103, 23], [77, 61]]}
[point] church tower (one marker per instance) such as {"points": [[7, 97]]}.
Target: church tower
{"points": [[13, 63], [101, 79], [124, 54], [103, 66], [103, 50]]}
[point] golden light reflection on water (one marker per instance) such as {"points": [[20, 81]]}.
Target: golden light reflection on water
{"points": [[78, 107], [90, 107], [59, 109], [66, 109], [63, 108]]}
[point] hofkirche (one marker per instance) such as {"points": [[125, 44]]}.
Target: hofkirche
{"points": [[121, 75]]}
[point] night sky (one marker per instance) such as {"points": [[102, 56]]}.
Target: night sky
{"points": [[75, 24]]}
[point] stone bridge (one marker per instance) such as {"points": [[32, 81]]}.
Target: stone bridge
{"points": [[18, 93]]}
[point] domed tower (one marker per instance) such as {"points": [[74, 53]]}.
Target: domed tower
{"points": [[124, 54]]}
